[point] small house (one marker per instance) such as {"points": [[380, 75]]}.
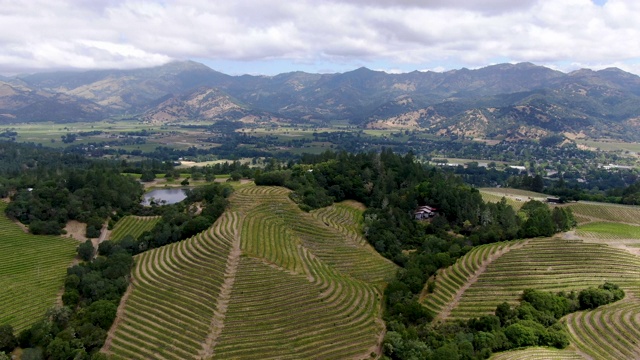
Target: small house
{"points": [[424, 212]]}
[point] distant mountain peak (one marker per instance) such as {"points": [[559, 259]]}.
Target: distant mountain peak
{"points": [[492, 101]]}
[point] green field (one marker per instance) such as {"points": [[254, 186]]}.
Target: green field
{"points": [[267, 281], [32, 271], [601, 212], [610, 145], [525, 194], [134, 226], [607, 230], [492, 197]]}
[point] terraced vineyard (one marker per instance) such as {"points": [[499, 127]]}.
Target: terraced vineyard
{"points": [[32, 271], [267, 281], [538, 353], [346, 217], [452, 282], [550, 264], [608, 332], [134, 226]]}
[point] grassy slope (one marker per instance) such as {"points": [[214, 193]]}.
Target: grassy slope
{"points": [[32, 271], [266, 281]]}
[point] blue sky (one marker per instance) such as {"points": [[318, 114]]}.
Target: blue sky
{"points": [[268, 37]]}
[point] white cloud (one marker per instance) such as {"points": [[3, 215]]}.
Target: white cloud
{"points": [[406, 34]]}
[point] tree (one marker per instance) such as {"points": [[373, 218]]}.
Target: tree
{"points": [[59, 349], [520, 335], [68, 138], [505, 313], [8, 340], [86, 251], [592, 298], [102, 313], [148, 176], [185, 182], [446, 352], [538, 220]]}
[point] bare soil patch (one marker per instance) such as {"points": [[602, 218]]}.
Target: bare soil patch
{"points": [[224, 180], [76, 230]]}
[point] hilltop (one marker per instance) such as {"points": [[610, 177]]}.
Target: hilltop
{"points": [[505, 101]]}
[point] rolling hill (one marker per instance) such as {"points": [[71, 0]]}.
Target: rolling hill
{"points": [[267, 281], [601, 250]]}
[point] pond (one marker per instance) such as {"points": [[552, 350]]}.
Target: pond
{"points": [[164, 196]]}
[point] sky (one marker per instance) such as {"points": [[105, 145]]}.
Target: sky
{"points": [[268, 37]]}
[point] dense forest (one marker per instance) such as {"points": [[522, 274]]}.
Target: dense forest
{"points": [[87, 195]]}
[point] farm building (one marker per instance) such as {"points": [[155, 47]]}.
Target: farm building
{"points": [[554, 200], [519, 168], [424, 212]]}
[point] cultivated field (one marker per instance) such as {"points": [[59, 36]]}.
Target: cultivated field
{"points": [[552, 264], [266, 281], [590, 211], [494, 273], [452, 282], [134, 226], [32, 271], [538, 353], [608, 231]]}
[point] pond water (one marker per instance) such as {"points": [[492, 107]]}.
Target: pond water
{"points": [[164, 196]]}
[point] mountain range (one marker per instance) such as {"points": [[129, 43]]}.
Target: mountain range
{"points": [[504, 101]]}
